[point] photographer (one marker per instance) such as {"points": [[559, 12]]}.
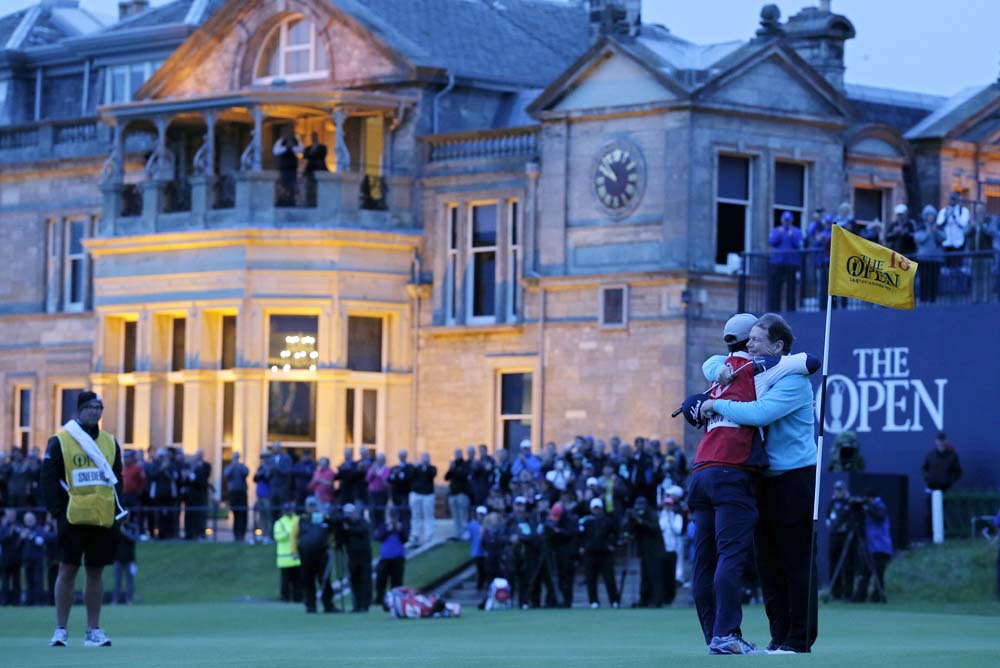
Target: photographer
{"points": [[355, 536], [522, 533], [314, 546], [598, 537], [837, 518], [644, 526], [392, 537], [879, 545]]}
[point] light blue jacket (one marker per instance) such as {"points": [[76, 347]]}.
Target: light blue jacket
{"points": [[786, 410]]}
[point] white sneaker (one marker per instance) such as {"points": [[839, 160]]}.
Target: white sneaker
{"points": [[59, 637], [96, 638]]}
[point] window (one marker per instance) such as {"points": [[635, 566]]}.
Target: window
{"points": [[291, 411], [128, 346], [293, 51], [451, 270], [789, 192], [67, 403], [123, 81], [364, 343], [177, 423], [483, 261], [361, 417], [74, 266], [614, 306], [227, 359], [868, 204], [732, 210], [177, 342], [22, 417], [228, 411], [513, 261], [515, 409], [128, 419], [292, 344]]}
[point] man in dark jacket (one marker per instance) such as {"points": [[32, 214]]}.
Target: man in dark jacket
{"points": [[314, 555], [280, 480], [10, 558], [598, 537], [644, 526], [355, 537], [163, 478], [197, 474], [400, 486], [458, 492], [234, 477], [422, 500], [523, 535], [351, 477], [941, 466], [560, 533]]}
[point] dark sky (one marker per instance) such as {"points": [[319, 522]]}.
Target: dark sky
{"points": [[930, 46]]}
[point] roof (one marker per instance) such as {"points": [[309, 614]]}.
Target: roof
{"points": [[192, 12], [957, 109], [896, 108], [521, 42], [671, 54], [46, 23]]}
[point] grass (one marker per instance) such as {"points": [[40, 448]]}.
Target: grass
{"points": [[958, 576], [230, 572], [270, 634]]}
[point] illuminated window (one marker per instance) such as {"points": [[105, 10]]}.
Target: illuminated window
{"points": [[293, 345], [293, 51]]}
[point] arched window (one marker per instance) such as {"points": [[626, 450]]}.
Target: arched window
{"points": [[294, 52]]}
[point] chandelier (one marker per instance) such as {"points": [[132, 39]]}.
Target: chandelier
{"points": [[299, 353]]}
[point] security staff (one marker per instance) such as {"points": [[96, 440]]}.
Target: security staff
{"points": [[286, 542], [81, 481]]}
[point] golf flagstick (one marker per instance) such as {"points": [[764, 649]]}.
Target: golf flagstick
{"points": [[819, 468]]}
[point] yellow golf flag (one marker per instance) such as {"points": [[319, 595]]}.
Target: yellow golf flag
{"points": [[862, 269]]}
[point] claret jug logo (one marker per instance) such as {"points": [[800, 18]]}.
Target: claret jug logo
{"points": [[882, 396], [869, 270]]}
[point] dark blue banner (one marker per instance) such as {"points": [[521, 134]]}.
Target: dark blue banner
{"points": [[897, 378]]}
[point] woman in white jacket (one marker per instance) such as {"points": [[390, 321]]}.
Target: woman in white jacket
{"points": [[671, 526]]}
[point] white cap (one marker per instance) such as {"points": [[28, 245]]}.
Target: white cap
{"points": [[481, 510], [901, 209], [520, 499], [591, 481], [348, 508], [526, 443], [597, 503], [738, 328]]}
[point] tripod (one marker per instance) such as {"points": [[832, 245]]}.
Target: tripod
{"points": [[858, 541]]}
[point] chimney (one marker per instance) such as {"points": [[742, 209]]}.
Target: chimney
{"points": [[622, 18], [818, 35], [127, 8]]}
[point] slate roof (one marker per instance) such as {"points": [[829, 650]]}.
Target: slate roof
{"points": [[954, 111], [8, 24], [896, 108], [41, 25], [520, 42], [680, 58], [172, 12]]}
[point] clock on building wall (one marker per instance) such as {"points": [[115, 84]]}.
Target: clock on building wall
{"points": [[619, 177]]}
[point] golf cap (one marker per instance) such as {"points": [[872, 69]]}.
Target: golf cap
{"points": [[901, 209], [738, 328], [520, 500], [481, 510], [349, 507], [839, 484], [591, 481], [597, 503], [87, 397]]}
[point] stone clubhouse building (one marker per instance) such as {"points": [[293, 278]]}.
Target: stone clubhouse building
{"points": [[528, 226]]}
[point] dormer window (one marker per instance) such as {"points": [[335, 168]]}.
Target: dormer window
{"points": [[293, 52]]}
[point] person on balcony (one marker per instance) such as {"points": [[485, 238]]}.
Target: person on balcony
{"points": [[929, 255], [979, 242], [287, 150], [315, 157], [899, 236], [818, 240], [785, 241], [953, 221]]}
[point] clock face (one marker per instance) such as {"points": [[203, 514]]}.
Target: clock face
{"points": [[618, 178]]}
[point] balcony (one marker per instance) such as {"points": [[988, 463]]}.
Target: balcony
{"points": [[54, 139], [954, 278], [216, 163]]}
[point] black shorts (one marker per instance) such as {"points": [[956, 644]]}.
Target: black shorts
{"points": [[94, 546]]}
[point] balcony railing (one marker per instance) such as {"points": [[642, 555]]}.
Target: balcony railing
{"points": [[952, 278], [56, 139], [491, 144], [259, 198]]}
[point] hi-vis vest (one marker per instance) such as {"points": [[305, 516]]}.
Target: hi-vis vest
{"points": [[286, 540], [91, 498]]}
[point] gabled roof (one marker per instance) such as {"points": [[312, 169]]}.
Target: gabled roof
{"points": [[957, 113], [46, 23], [519, 42]]}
